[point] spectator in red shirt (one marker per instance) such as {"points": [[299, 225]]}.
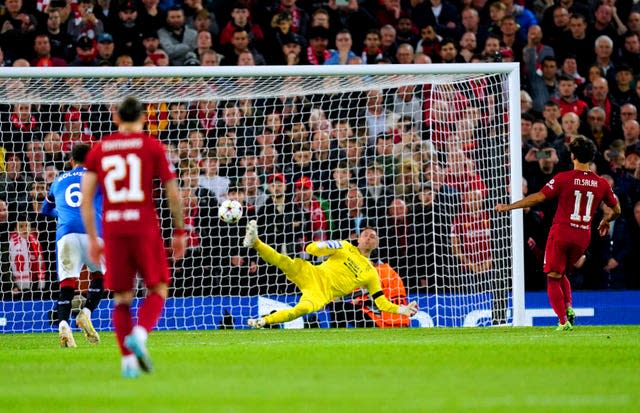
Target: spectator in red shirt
{"points": [[567, 100]]}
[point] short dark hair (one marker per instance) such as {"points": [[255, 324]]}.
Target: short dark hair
{"points": [[130, 110], [583, 149], [79, 152]]}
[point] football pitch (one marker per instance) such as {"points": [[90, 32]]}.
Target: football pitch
{"points": [[592, 369]]}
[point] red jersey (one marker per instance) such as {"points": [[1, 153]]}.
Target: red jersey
{"points": [[127, 164], [579, 194]]}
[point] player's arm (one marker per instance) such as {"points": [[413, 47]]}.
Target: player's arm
{"points": [[179, 241], [49, 206], [89, 186], [323, 248], [526, 202], [383, 304], [610, 214]]}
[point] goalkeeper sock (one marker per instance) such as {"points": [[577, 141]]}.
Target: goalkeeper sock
{"points": [[273, 257], [150, 311], [123, 324], [566, 290], [64, 303], [94, 293], [556, 298]]}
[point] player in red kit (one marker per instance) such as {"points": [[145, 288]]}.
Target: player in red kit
{"points": [[125, 165], [579, 194]]}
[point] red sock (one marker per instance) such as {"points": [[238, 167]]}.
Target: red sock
{"points": [[556, 298], [566, 290], [150, 311], [123, 324]]}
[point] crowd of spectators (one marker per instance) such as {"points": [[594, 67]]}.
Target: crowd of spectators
{"points": [[318, 169]]}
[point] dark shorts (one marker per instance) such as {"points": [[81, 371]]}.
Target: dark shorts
{"points": [[127, 256]]}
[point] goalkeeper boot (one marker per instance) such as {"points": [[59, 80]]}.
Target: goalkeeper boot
{"points": [[138, 346], [83, 321], [571, 316], [251, 236], [66, 337], [130, 367], [564, 327], [256, 322]]}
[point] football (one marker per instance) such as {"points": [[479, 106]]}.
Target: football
{"points": [[230, 211]]}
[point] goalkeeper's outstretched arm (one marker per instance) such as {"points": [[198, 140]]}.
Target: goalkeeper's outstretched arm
{"points": [[387, 306], [323, 248]]}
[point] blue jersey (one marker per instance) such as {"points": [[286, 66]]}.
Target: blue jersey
{"points": [[63, 203]]}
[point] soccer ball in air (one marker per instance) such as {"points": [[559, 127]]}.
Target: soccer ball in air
{"points": [[230, 211]]}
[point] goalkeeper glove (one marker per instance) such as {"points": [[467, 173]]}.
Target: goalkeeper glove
{"points": [[409, 309]]}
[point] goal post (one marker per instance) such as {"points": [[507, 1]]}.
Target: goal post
{"points": [[420, 152]]}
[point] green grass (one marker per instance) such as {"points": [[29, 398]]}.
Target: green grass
{"points": [[592, 369]]}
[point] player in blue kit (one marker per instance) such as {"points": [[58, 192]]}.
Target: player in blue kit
{"points": [[63, 203]]}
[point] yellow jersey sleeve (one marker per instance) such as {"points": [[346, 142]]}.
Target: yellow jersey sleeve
{"points": [[375, 291], [323, 248]]}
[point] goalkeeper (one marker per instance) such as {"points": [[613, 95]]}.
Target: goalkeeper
{"points": [[347, 269]]}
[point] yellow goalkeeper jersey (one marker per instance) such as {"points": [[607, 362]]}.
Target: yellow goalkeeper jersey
{"points": [[346, 270]]}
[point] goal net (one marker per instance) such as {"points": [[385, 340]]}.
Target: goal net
{"points": [[422, 153]]}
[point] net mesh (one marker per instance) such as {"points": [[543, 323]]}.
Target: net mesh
{"points": [[422, 158]]}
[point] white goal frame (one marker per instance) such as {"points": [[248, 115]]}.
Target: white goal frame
{"points": [[509, 69]]}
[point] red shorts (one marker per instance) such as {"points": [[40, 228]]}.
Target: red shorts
{"points": [[129, 255], [561, 254]]}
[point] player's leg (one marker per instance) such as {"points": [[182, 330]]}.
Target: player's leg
{"points": [[94, 295], [120, 279], [555, 262], [69, 262], [151, 262], [309, 302], [575, 253], [268, 254]]}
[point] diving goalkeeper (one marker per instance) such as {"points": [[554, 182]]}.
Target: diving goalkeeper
{"points": [[346, 269]]}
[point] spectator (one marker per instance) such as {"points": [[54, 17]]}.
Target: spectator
{"points": [[317, 52], [300, 18], [543, 86], [310, 217], [630, 53], [372, 51], [241, 19], [211, 180], [388, 41], [567, 99], [534, 41], [600, 97], [524, 17], [468, 45], [556, 29], [61, 43], [404, 54], [375, 115], [85, 53], [441, 14], [178, 125], [596, 130], [449, 53], [128, 32], [85, 22], [471, 24], [631, 132], [20, 128], [176, 38], [277, 220], [406, 32], [150, 17], [204, 20], [604, 23], [255, 198], [604, 53], [623, 89], [609, 255], [53, 153], [209, 58], [239, 44], [396, 234], [343, 51], [570, 68], [579, 40], [75, 130], [513, 39], [492, 48], [106, 49], [27, 265]]}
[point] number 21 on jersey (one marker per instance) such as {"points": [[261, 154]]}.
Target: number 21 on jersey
{"points": [[586, 213], [126, 170]]}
